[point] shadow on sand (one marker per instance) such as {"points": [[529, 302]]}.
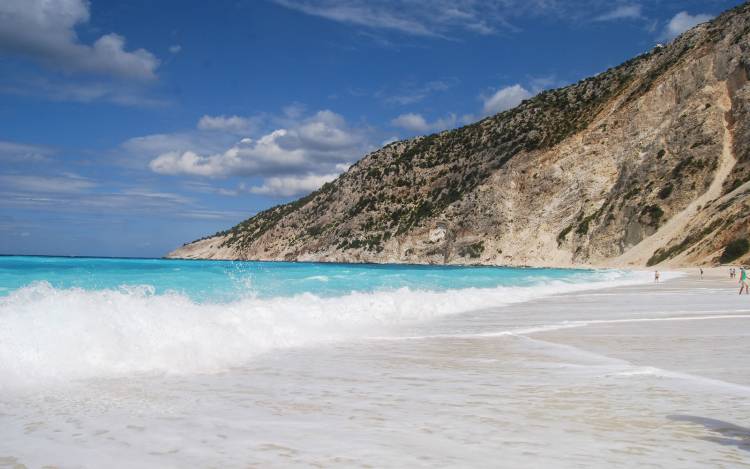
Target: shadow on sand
{"points": [[732, 435]]}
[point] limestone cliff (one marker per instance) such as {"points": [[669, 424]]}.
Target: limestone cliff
{"points": [[646, 163]]}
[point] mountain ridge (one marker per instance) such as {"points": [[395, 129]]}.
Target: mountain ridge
{"points": [[646, 163]]}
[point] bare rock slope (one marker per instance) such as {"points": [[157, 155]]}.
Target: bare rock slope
{"points": [[647, 163]]}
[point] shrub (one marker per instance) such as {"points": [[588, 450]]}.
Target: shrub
{"points": [[665, 191], [654, 213], [563, 234], [735, 250], [473, 250], [583, 227]]}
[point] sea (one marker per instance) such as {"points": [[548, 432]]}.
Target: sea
{"points": [[66, 318], [196, 363]]}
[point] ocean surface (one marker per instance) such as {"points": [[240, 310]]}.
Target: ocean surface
{"points": [[64, 319], [205, 281], [165, 363]]}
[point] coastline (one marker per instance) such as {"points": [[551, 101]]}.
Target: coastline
{"points": [[624, 376], [202, 250]]}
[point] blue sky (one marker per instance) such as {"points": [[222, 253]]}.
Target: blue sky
{"points": [[129, 128]]}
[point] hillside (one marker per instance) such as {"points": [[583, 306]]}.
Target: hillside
{"points": [[646, 163]]}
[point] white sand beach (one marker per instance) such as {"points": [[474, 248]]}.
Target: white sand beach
{"points": [[637, 376]]}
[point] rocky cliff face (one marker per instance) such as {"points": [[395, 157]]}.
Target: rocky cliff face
{"points": [[646, 163]]}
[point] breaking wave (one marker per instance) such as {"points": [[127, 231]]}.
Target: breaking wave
{"points": [[49, 334]]}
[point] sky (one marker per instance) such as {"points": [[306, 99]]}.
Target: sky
{"points": [[129, 128]]}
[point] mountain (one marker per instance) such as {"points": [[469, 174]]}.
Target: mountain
{"points": [[646, 163]]}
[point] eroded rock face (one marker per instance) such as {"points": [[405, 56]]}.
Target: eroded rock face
{"points": [[645, 163]]}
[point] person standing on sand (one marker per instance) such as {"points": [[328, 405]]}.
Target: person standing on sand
{"points": [[656, 276], [701, 268], [743, 280]]}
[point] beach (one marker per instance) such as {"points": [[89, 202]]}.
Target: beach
{"points": [[647, 375]]}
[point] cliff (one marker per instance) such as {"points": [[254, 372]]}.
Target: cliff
{"points": [[647, 163]]}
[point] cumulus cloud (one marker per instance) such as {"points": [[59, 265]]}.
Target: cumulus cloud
{"points": [[299, 157], [505, 98], [292, 185], [681, 22], [411, 121], [417, 123], [44, 30], [233, 124], [215, 134], [622, 12]]}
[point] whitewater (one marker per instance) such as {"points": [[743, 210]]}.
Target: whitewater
{"points": [[63, 319], [165, 363]]}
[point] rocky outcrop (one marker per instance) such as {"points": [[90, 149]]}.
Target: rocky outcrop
{"points": [[646, 163]]}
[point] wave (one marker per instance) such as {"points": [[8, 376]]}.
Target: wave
{"points": [[60, 335]]}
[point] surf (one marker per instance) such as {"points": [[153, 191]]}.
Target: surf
{"points": [[58, 335]]}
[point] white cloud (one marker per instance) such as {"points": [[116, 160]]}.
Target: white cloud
{"points": [[136, 152], [412, 93], [428, 18], [175, 48], [622, 12], [72, 193], [411, 121], [65, 183], [85, 91], [500, 100], [233, 124], [314, 145], [538, 84], [505, 98], [44, 30], [292, 185], [362, 14], [11, 152], [681, 22], [445, 18], [325, 131], [417, 123]]}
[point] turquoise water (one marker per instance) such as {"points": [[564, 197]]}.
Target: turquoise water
{"points": [[64, 319], [221, 281]]}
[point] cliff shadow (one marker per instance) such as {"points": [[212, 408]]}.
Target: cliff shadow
{"points": [[731, 434]]}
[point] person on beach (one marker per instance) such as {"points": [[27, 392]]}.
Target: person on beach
{"points": [[743, 280], [701, 268], [656, 276]]}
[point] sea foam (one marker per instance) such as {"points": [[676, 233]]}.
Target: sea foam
{"points": [[58, 335]]}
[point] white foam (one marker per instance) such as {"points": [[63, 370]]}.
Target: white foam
{"points": [[49, 334], [320, 278]]}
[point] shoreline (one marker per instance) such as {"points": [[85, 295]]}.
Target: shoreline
{"points": [[632, 268], [623, 376]]}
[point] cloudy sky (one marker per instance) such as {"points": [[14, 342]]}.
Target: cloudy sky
{"points": [[128, 128]]}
